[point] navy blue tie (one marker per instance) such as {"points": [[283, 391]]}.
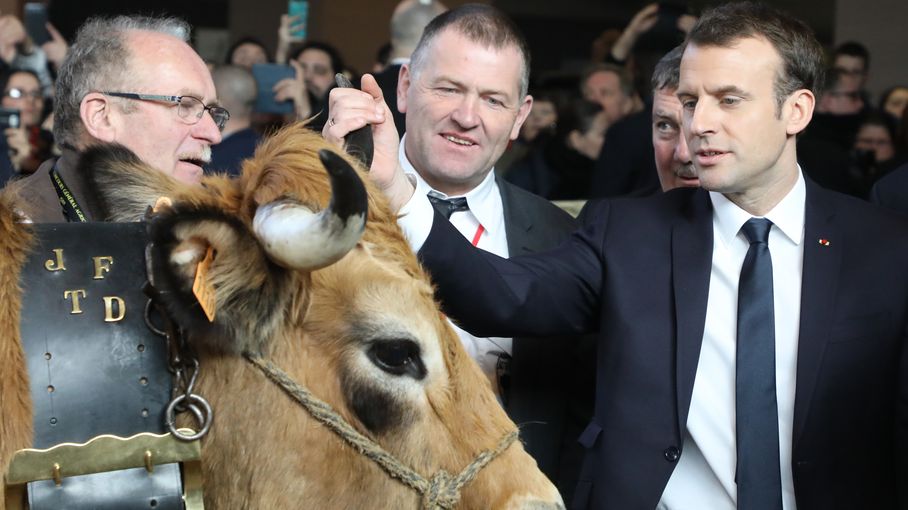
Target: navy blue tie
{"points": [[756, 413], [449, 206]]}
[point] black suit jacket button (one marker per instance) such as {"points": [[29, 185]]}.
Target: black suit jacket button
{"points": [[672, 453]]}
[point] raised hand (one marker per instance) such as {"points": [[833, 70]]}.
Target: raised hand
{"points": [[350, 109], [56, 47]]}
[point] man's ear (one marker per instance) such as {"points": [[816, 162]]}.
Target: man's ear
{"points": [[522, 113], [798, 111], [403, 85], [95, 111]]}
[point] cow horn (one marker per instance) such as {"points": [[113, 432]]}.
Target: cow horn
{"points": [[297, 238], [359, 142]]}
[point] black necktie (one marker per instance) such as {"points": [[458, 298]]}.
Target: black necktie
{"points": [[756, 414], [449, 206]]}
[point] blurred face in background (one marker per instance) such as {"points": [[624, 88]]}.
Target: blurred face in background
{"points": [[875, 138], [247, 54], [604, 87], [319, 73], [853, 69], [23, 93], [843, 99], [542, 117], [896, 102]]}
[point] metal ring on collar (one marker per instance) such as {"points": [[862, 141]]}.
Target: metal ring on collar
{"points": [[204, 419]]}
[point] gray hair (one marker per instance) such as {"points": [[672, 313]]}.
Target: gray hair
{"points": [[98, 60], [667, 73], [482, 24]]}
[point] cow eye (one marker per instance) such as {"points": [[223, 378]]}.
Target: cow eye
{"points": [[397, 357]]}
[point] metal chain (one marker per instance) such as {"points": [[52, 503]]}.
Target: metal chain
{"points": [[183, 364]]}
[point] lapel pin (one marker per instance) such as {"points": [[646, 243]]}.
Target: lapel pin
{"points": [[824, 242]]}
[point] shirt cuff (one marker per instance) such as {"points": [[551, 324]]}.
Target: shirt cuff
{"points": [[415, 219]]}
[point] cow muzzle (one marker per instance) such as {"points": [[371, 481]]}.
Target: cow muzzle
{"points": [[296, 237]]}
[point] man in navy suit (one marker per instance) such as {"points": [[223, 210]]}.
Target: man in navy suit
{"points": [[891, 191], [464, 93], [673, 284]]}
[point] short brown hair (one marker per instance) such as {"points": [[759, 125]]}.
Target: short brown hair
{"points": [[667, 73], [801, 53], [482, 24]]}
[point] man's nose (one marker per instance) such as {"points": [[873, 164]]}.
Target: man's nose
{"points": [[702, 120], [466, 115], [207, 129], [682, 152]]}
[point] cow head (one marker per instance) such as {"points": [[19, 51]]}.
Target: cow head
{"points": [[314, 274]]}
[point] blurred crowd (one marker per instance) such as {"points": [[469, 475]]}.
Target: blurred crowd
{"points": [[582, 137], [613, 129]]}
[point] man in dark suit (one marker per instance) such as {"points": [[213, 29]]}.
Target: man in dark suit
{"points": [[891, 191], [409, 19], [465, 96], [752, 335]]}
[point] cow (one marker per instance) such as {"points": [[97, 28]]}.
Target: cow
{"points": [[310, 273]]}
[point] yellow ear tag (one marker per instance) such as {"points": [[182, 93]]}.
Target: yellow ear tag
{"points": [[202, 288]]}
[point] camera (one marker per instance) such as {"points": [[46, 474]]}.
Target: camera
{"points": [[10, 118]]}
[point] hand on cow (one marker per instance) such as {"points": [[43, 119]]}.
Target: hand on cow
{"points": [[350, 109]]}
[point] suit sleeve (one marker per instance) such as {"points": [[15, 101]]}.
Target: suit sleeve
{"points": [[543, 294], [901, 426]]}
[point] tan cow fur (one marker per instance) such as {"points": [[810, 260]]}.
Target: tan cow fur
{"points": [[264, 451], [15, 403]]}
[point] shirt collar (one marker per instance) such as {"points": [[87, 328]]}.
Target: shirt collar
{"points": [[787, 215], [484, 200]]}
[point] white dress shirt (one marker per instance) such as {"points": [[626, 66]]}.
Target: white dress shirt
{"points": [[486, 210], [705, 475]]}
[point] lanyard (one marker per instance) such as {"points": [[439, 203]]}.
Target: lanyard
{"points": [[68, 202]]}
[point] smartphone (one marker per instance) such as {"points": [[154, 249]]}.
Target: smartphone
{"points": [[35, 14], [10, 118], [266, 77], [300, 9]]}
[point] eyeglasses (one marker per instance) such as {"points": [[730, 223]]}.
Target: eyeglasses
{"points": [[189, 108], [19, 93]]}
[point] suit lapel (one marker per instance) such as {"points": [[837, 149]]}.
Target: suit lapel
{"points": [[692, 241], [518, 222], [820, 278]]}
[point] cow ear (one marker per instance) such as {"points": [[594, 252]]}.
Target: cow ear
{"points": [[126, 186], [213, 278]]}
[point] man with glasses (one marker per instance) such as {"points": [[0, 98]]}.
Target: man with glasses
{"points": [[132, 81]]}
